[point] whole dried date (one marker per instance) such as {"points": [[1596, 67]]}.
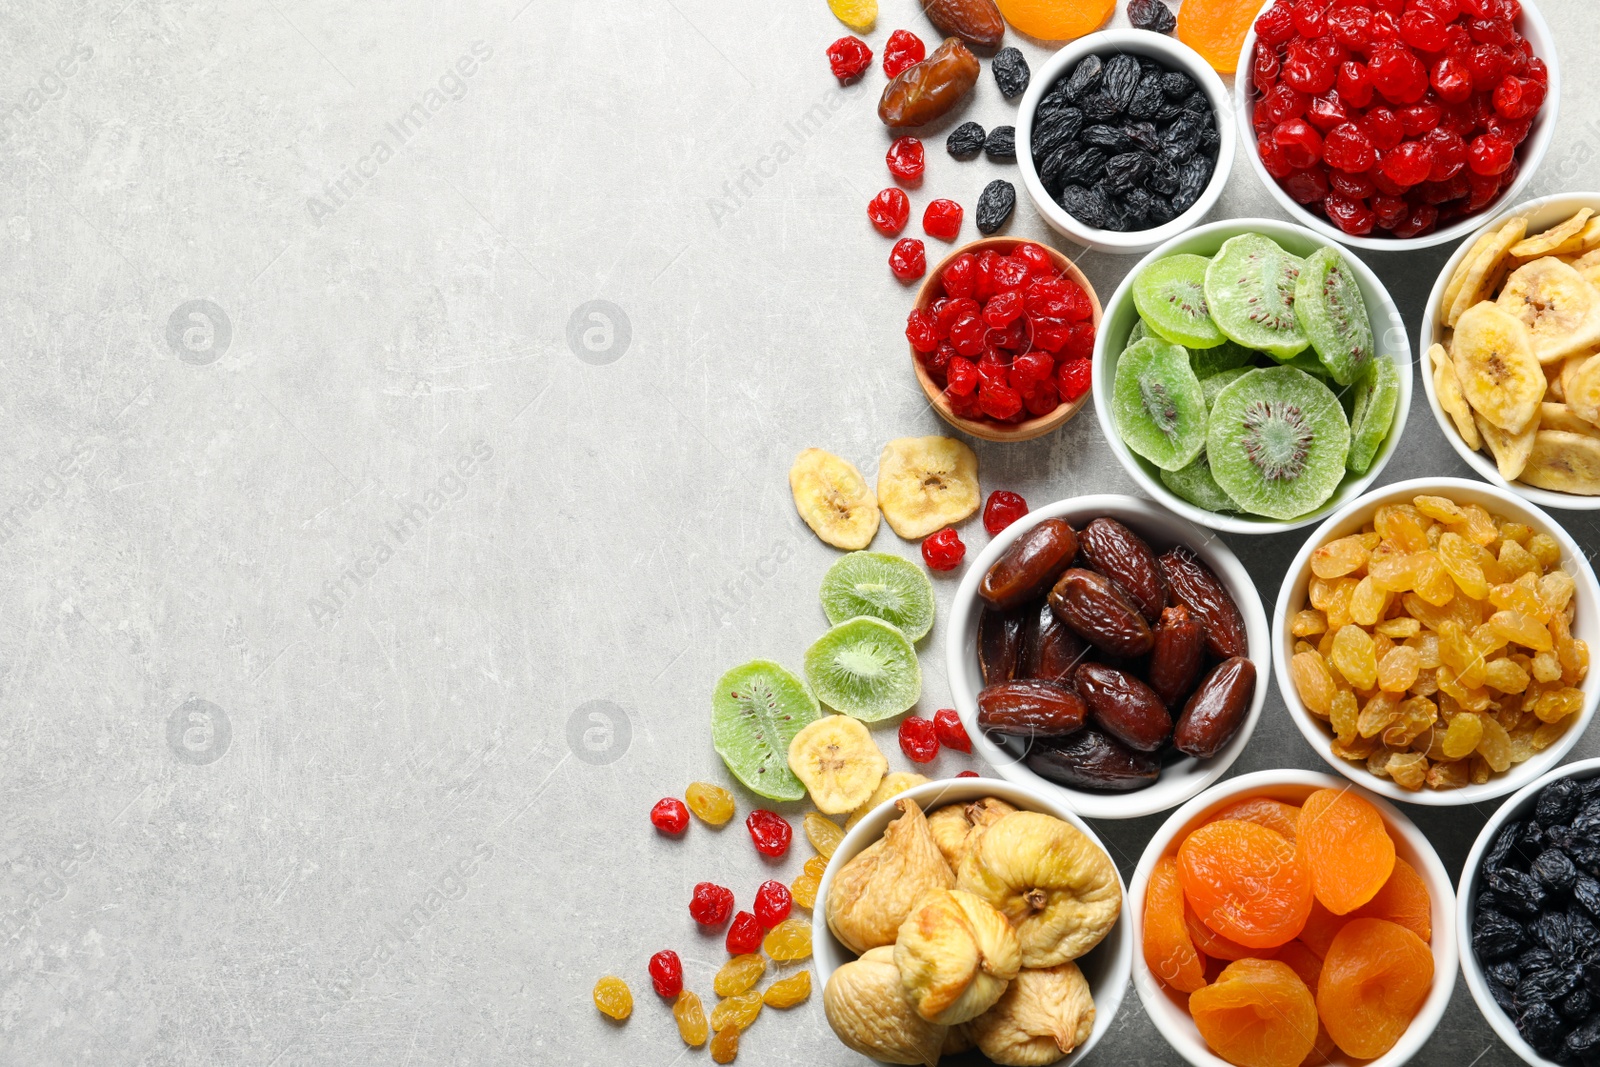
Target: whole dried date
{"points": [[1180, 645], [1030, 709], [1031, 565], [1193, 585], [1053, 649], [925, 91], [977, 22], [1124, 557], [1092, 760], [1215, 710], [1124, 707], [1000, 644], [1101, 614]]}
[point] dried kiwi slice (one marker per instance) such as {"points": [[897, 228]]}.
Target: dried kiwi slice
{"points": [[883, 586], [1377, 396], [1229, 355], [1250, 288], [1159, 408], [1333, 315], [1171, 297], [1213, 386], [1140, 331], [1196, 484], [1277, 440], [755, 712], [864, 668]]}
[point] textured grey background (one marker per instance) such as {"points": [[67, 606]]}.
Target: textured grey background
{"points": [[256, 811]]}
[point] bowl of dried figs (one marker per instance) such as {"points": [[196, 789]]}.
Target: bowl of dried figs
{"points": [[1105, 650]]}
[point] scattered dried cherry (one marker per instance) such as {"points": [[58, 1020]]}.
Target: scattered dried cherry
{"points": [[889, 211], [903, 49], [773, 901], [670, 816], [919, 739], [1002, 509], [942, 219], [908, 259], [947, 725], [849, 57], [770, 832], [944, 551], [666, 973], [968, 774], [710, 904], [905, 158]]}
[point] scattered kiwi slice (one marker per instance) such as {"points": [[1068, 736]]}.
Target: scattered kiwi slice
{"points": [[755, 712], [1277, 439], [864, 668], [883, 586]]}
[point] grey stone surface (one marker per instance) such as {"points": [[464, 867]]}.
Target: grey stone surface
{"points": [[397, 409]]}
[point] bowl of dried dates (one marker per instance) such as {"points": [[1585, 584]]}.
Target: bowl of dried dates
{"points": [[1107, 650], [1396, 126], [1124, 139], [1285, 918], [1001, 337], [1432, 640]]}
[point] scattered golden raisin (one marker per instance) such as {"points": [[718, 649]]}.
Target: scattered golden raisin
{"points": [[739, 974], [787, 992], [823, 833], [725, 1046], [612, 997], [737, 1011], [712, 804], [789, 940], [691, 1019]]}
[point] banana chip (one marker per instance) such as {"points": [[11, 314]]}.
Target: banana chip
{"points": [[1588, 265], [1560, 417], [1510, 450], [1452, 289], [1560, 308], [1543, 244], [1483, 269], [1448, 389], [1582, 390], [838, 762], [1564, 462], [833, 499], [926, 484], [1495, 364]]}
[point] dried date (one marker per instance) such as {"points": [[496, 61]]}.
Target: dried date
{"points": [[1180, 645], [1094, 761], [1124, 557], [1216, 709], [1193, 585], [1031, 565], [1030, 709], [977, 22], [1001, 644], [1054, 651], [1124, 707], [1101, 614], [927, 90]]}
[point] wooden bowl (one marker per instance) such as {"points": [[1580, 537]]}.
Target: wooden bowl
{"points": [[1028, 429]]}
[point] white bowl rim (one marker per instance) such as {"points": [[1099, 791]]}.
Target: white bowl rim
{"points": [[1432, 870], [1138, 42], [1534, 28], [1428, 333], [1108, 994], [1310, 727], [966, 609], [1471, 970], [1240, 524]]}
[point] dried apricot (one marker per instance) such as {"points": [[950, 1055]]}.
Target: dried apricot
{"points": [[1347, 850], [1375, 977], [1273, 814], [1169, 951], [1258, 1013], [1051, 20], [1320, 929], [1301, 960], [1403, 899], [1213, 945], [1245, 882]]}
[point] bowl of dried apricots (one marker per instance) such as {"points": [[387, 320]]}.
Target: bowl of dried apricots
{"points": [[1432, 640], [1284, 914]]}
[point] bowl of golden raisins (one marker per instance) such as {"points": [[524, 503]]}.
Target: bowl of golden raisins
{"points": [[1432, 641]]}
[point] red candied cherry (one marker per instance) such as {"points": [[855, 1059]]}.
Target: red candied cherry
{"points": [[670, 816], [961, 275], [1003, 309], [922, 330], [961, 377], [964, 407], [1000, 402], [1301, 144], [953, 310], [1449, 153], [666, 973], [1073, 378], [906, 159], [1418, 119], [1327, 111], [1513, 130], [1422, 31], [1307, 186], [1351, 216], [942, 219], [1488, 65], [1518, 98], [1384, 184], [907, 259], [966, 334], [1307, 71], [1382, 128], [1009, 274], [1041, 398], [1498, 32], [1355, 186], [1310, 20], [710, 904], [1282, 103], [1350, 26], [1079, 343], [937, 363], [1451, 78], [943, 551], [1276, 24], [769, 831], [1420, 220], [947, 723], [772, 904], [1489, 155], [889, 211], [1389, 210], [1001, 510], [1385, 27], [968, 774], [1537, 70], [919, 740], [1349, 148], [1274, 157], [1265, 67], [744, 935], [1393, 7], [985, 287], [849, 57], [905, 49], [1443, 10], [1482, 189], [1408, 164], [1355, 83], [1492, 9], [1031, 368], [1040, 265], [1397, 73], [1436, 193]]}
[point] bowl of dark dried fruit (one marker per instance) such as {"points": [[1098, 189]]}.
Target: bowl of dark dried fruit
{"points": [[1107, 649], [1529, 920], [1001, 338], [1124, 139]]}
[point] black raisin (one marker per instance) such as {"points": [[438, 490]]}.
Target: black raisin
{"points": [[1047, 140], [965, 141], [1576, 1006], [1147, 99], [1532, 842], [1149, 66], [1496, 936], [1585, 935], [1502, 997], [1554, 932], [1583, 1044], [999, 199], [1170, 110], [1163, 177], [1108, 137], [1545, 985], [1557, 802], [1161, 211], [1143, 134], [1210, 139], [1060, 125], [1586, 891], [1192, 178], [1542, 1028], [1122, 75], [1555, 870], [1086, 78], [1085, 168], [1197, 103], [1101, 106], [1125, 170], [1151, 15], [1501, 852], [1138, 204], [1053, 170], [1587, 821], [1181, 138], [1088, 206], [1518, 892], [1010, 72], [1505, 972], [1001, 147], [1176, 84]]}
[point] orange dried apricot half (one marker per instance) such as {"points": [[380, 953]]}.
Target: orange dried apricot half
{"points": [[1258, 1013], [1216, 29], [1375, 977], [1245, 882], [1214, 945], [1273, 814], [1347, 849], [1301, 960], [1056, 20], [1403, 899], [1321, 927], [1169, 952]]}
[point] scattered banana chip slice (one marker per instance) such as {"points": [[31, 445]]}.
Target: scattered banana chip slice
{"points": [[1560, 308], [1482, 272], [892, 786], [1494, 361], [1582, 389], [833, 499], [1448, 389], [838, 762], [926, 484], [1542, 244], [1510, 450], [1560, 417], [1564, 462]]}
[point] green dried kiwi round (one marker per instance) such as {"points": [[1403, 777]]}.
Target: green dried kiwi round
{"points": [[1196, 484], [1277, 440], [756, 710], [1250, 288], [1333, 315], [1159, 408], [1229, 355], [1171, 297], [883, 586], [1377, 396], [1140, 331], [1213, 386], [864, 668]]}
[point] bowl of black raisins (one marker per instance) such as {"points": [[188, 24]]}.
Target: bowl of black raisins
{"points": [[1529, 920], [1125, 139]]}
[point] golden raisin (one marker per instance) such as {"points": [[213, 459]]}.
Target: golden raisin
{"points": [[1555, 591], [1526, 631], [1412, 718], [1378, 713], [1353, 656], [1398, 523], [712, 804], [1545, 549], [1343, 716], [1308, 622], [1462, 737], [1434, 583], [1409, 770], [725, 1046], [1447, 775], [1547, 734], [1495, 745], [1519, 532], [737, 1011], [823, 833], [1553, 707], [1399, 669], [613, 998], [1506, 675], [1440, 508], [815, 866], [1546, 666], [691, 1019], [1313, 683], [739, 974], [1479, 527], [1339, 557], [789, 940], [1368, 603], [1460, 559], [804, 890], [787, 992], [1400, 628], [1517, 560]]}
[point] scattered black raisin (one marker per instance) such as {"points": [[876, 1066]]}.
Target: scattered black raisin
{"points": [[1010, 72], [1557, 802], [999, 199], [1151, 15], [1086, 77], [1122, 75], [1088, 206], [1177, 85], [1555, 870], [1102, 136], [1001, 147], [965, 141]]}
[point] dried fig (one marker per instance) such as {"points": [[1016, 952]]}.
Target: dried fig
{"points": [[873, 893], [1043, 1015], [869, 1012], [957, 827], [977, 22], [955, 953]]}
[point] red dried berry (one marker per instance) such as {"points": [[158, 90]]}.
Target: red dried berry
{"points": [[1351, 216], [1300, 143], [1351, 26], [1408, 164], [1382, 128], [1307, 186], [919, 740], [961, 276], [942, 219], [1348, 148], [968, 774], [1276, 24], [1000, 402], [1072, 378], [1420, 220], [922, 331], [1518, 98], [1003, 309], [849, 57], [1489, 155], [889, 211], [1040, 265], [710, 904], [967, 334], [770, 832], [744, 935], [943, 551], [1355, 186], [906, 159], [905, 49], [947, 725], [908, 260], [1002, 509], [670, 816], [772, 904], [666, 973], [961, 378], [1421, 30]]}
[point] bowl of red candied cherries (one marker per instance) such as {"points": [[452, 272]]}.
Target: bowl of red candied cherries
{"points": [[1396, 124], [1001, 338]]}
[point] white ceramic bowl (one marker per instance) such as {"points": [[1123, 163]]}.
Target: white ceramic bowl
{"points": [[1180, 779], [1514, 808], [1105, 967], [1174, 54], [1168, 1009], [1542, 214], [1389, 335], [1529, 154], [1350, 519]]}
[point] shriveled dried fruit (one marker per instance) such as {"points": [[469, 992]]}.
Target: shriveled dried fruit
{"points": [[927, 90], [966, 140], [725, 1045], [712, 804], [1258, 1012], [956, 954], [612, 997], [873, 893], [1010, 71], [737, 1011], [789, 940], [691, 1019], [739, 974], [998, 200], [787, 992], [823, 833], [869, 1013]]}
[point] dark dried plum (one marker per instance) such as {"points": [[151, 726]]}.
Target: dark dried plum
{"points": [[1557, 802], [1177, 85], [1088, 206], [1110, 138], [1147, 99], [1151, 15], [965, 141], [1496, 936], [999, 199], [1001, 147], [1126, 170], [1086, 78], [1122, 76], [1010, 71], [1555, 870]]}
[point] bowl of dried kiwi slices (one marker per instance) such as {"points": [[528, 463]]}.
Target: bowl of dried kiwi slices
{"points": [[1252, 377]]}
